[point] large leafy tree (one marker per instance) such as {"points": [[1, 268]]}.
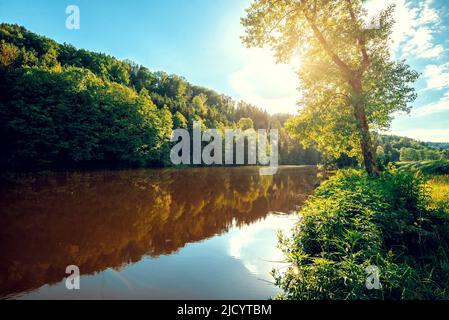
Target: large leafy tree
{"points": [[350, 85]]}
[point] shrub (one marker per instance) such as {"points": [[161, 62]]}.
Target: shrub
{"points": [[353, 222]]}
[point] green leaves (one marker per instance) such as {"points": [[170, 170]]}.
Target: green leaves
{"points": [[348, 82], [72, 117], [63, 106], [353, 222]]}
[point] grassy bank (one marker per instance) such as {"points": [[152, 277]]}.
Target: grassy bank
{"points": [[396, 223], [439, 186], [437, 173], [438, 167]]}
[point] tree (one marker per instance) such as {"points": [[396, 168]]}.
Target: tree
{"points": [[179, 121], [432, 154], [409, 154], [199, 105], [245, 124], [349, 83], [446, 154], [380, 153], [9, 53]]}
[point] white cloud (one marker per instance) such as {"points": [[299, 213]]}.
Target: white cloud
{"points": [[413, 33], [437, 76], [428, 14], [421, 45], [265, 83], [427, 135], [404, 15], [252, 244], [431, 52]]}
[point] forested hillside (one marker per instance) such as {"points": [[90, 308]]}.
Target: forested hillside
{"points": [[438, 145], [394, 148], [60, 106], [66, 107]]}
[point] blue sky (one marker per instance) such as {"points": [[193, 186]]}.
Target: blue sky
{"points": [[199, 39]]}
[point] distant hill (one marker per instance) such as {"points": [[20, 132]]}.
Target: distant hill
{"points": [[438, 145]]}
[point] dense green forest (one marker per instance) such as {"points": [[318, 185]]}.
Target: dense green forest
{"points": [[64, 107], [60, 106]]}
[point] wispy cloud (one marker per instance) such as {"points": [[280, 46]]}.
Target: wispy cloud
{"points": [[432, 108], [437, 76], [427, 135], [414, 36], [415, 28]]}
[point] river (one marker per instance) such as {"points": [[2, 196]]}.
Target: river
{"points": [[201, 233]]}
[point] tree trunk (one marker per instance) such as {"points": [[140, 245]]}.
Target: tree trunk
{"points": [[367, 145]]}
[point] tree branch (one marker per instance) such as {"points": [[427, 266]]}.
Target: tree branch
{"points": [[335, 58], [274, 27], [360, 40]]}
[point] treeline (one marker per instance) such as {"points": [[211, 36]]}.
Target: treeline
{"points": [[439, 145], [394, 149], [60, 106]]}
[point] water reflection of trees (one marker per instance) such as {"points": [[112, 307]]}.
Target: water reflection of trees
{"points": [[98, 220]]}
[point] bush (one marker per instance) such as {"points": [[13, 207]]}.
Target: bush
{"points": [[353, 222]]}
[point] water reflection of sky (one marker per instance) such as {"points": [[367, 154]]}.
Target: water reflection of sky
{"points": [[234, 265]]}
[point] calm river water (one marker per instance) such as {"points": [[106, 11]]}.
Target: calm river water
{"points": [[206, 233]]}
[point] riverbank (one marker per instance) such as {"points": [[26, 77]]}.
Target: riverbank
{"points": [[365, 238]]}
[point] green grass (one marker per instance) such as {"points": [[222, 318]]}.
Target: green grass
{"points": [[438, 167], [439, 186], [438, 174]]}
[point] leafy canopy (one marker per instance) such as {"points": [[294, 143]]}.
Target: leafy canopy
{"points": [[338, 45]]}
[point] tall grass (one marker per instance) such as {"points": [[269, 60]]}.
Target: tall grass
{"points": [[439, 186], [354, 222]]}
